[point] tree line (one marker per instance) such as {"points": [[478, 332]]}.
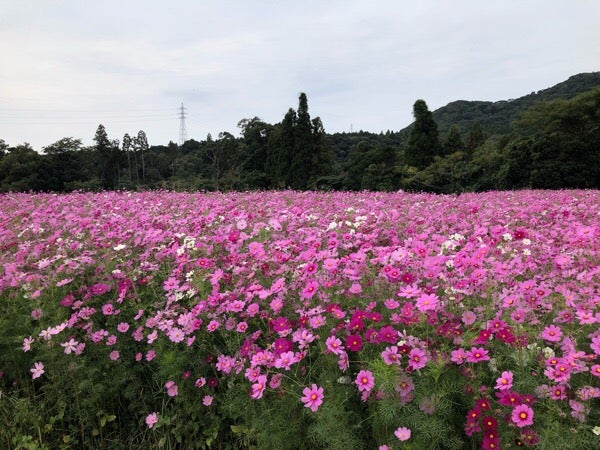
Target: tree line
{"points": [[551, 145]]}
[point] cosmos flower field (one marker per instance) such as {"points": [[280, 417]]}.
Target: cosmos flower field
{"points": [[300, 320]]}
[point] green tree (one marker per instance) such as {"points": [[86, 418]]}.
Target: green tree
{"points": [[475, 138], [62, 164], [141, 146], [127, 147], [20, 170], [564, 136], [423, 143], [3, 148], [108, 154], [301, 164], [281, 150], [322, 161], [256, 135], [453, 142]]}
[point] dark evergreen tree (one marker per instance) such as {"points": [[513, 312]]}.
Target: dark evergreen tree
{"points": [[108, 158], [475, 138], [141, 145], [281, 151], [3, 148], [62, 166], [301, 164], [322, 162], [453, 141], [256, 135], [423, 143]]}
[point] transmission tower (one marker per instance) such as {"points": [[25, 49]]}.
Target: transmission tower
{"points": [[182, 132]]}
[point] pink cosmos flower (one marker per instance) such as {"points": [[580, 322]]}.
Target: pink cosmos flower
{"points": [[595, 370], [391, 356], [365, 380], [334, 345], [504, 383], [70, 346], [114, 355], [285, 360], [151, 419], [313, 397], [212, 326], [477, 354], [552, 333], [402, 433], [522, 416], [38, 370], [417, 358], [207, 400], [172, 389], [275, 380], [258, 388], [309, 290], [27, 343], [458, 356], [427, 302]]}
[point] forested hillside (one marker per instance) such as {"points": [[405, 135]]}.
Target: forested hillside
{"points": [[547, 139]]}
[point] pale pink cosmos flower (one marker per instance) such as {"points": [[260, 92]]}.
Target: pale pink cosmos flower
{"points": [[427, 302], [151, 419], [37, 370], [402, 433], [172, 389], [365, 380], [313, 397], [150, 355], [469, 317], [70, 346], [522, 416], [285, 360], [207, 400], [258, 388], [458, 356], [27, 343], [114, 355], [505, 381]]}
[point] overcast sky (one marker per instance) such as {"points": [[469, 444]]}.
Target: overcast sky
{"points": [[67, 66]]}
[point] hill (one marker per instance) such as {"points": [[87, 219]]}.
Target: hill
{"points": [[496, 117]]}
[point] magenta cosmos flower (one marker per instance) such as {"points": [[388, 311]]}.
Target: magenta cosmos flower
{"points": [[313, 397], [365, 380], [522, 416], [477, 354]]}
